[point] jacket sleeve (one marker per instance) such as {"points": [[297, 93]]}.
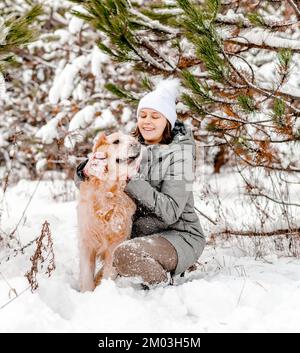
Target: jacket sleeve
{"points": [[78, 175], [169, 203]]}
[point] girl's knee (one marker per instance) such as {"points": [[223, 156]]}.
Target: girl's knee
{"points": [[123, 255]]}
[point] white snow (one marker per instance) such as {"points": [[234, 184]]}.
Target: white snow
{"points": [[27, 76], [261, 36], [98, 58], [82, 118], [40, 165], [3, 142], [63, 84], [79, 94], [41, 75], [3, 31], [296, 126], [154, 24], [75, 24], [230, 291], [130, 126], [64, 35], [126, 115], [2, 87], [49, 132], [106, 120]]}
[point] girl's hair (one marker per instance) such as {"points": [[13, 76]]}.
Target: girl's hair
{"points": [[167, 136]]}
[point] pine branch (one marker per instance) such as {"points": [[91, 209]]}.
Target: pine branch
{"points": [[246, 103], [279, 109], [202, 91], [17, 32], [257, 20], [241, 21], [153, 24], [243, 40], [120, 93], [121, 23]]}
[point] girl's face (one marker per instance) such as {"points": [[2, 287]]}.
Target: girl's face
{"points": [[151, 124]]}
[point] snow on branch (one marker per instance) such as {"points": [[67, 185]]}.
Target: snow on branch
{"points": [[153, 24], [260, 38]]}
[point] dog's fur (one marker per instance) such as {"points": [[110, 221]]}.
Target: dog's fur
{"points": [[105, 211]]}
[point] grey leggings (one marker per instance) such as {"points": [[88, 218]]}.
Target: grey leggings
{"points": [[150, 257]]}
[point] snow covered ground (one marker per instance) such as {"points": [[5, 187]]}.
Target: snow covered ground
{"points": [[230, 291]]}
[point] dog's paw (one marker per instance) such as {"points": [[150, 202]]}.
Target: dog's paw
{"points": [[87, 287]]}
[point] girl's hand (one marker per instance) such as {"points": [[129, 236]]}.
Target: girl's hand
{"points": [[135, 173], [97, 165]]}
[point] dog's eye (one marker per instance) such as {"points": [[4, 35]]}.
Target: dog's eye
{"points": [[116, 142], [117, 160]]}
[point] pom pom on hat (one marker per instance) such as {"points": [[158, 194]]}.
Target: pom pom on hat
{"points": [[163, 99]]}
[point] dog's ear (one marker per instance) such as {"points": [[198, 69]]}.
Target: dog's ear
{"points": [[101, 140]]}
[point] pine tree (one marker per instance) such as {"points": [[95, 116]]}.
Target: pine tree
{"points": [[238, 62], [16, 31], [206, 45]]}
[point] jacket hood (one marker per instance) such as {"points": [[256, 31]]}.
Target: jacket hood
{"points": [[182, 134]]}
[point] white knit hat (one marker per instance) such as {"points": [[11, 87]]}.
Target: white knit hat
{"points": [[162, 99]]}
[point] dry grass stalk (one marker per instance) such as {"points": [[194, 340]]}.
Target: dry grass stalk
{"points": [[43, 254]]}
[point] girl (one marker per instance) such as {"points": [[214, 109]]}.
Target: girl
{"points": [[166, 237]]}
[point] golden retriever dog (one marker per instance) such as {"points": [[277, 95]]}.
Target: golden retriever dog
{"points": [[104, 210]]}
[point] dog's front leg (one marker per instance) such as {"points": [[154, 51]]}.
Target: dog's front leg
{"points": [[87, 268], [109, 271]]}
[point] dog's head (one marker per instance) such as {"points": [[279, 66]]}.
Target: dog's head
{"points": [[121, 154]]}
